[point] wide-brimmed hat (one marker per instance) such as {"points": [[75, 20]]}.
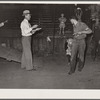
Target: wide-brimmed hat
{"points": [[25, 12]]}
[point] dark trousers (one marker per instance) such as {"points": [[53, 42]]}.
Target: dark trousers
{"points": [[78, 50], [68, 58], [95, 49]]}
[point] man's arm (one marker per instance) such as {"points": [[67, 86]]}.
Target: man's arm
{"points": [[27, 30], [87, 31], [34, 26]]}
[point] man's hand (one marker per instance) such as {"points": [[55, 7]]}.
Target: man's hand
{"points": [[1, 24], [79, 33], [34, 26], [33, 31], [37, 29]]}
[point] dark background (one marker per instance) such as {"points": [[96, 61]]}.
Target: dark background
{"points": [[13, 12], [46, 16]]}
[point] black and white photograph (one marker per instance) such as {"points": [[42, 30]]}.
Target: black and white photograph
{"points": [[49, 45]]}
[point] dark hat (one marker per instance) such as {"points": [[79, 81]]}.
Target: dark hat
{"points": [[25, 12]]}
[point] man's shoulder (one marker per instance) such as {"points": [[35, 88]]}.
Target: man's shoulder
{"points": [[23, 22], [82, 23]]}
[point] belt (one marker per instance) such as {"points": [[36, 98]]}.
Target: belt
{"points": [[26, 36]]}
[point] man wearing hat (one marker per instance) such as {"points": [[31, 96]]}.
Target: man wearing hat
{"points": [[26, 30]]}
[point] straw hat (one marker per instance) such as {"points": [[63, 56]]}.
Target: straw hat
{"points": [[25, 12]]}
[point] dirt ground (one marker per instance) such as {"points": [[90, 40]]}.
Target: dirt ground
{"points": [[52, 73]]}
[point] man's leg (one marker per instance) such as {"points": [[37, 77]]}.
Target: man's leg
{"points": [[27, 53], [23, 61], [73, 57], [68, 59], [82, 46]]}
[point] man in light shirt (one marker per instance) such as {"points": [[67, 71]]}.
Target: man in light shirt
{"points": [[27, 31]]}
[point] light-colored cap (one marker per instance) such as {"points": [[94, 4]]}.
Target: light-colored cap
{"points": [[25, 12]]}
